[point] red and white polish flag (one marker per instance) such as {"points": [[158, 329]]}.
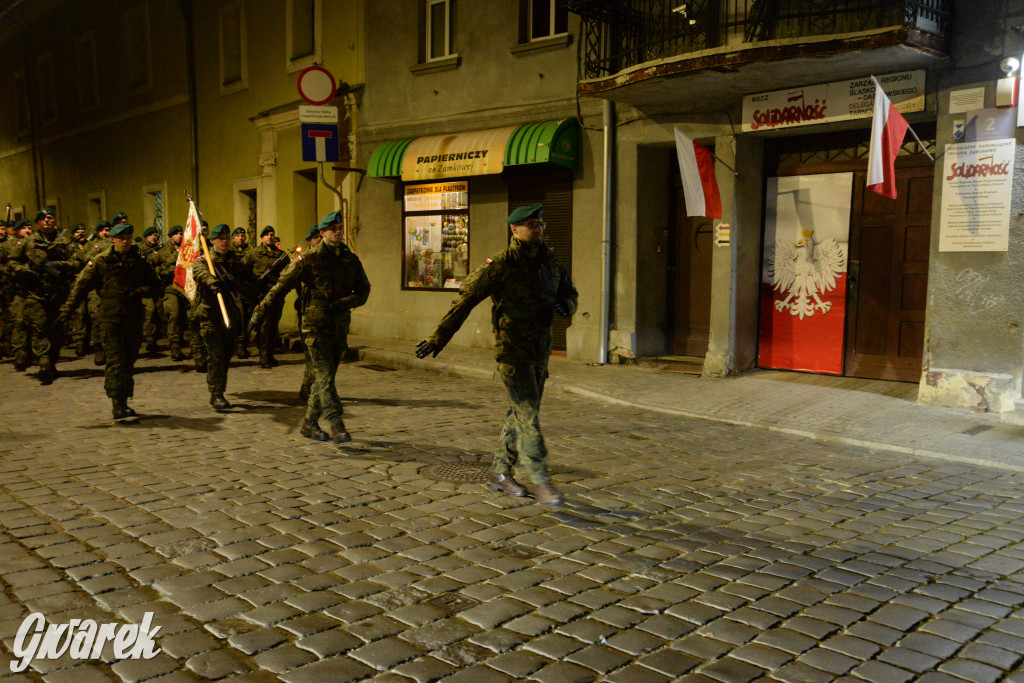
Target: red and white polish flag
{"points": [[697, 168], [188, 253], [887, 130]]}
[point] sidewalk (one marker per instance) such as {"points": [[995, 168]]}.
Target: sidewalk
{"points": [[872, 414]]}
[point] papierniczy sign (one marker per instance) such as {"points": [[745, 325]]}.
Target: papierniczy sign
{"points": [[82, 639], [829, 102]]}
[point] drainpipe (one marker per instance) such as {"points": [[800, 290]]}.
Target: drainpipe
{"points": [[606, 220]]}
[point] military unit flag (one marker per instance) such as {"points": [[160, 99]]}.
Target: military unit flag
{"points": [[189, 252], [697, 169]]}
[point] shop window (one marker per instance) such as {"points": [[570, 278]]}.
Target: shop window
{"points": [[303, 26], [234, 59], [137, 65], [435, 235], [546, 18], [85, 71]]}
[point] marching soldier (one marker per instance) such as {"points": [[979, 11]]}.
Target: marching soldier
{"points": [[333, 283], [99, 243], [6, 227], [240, 245], [175, 301], [266, 260], [151, 325], [45, 261], [121, 277], [528, 286], [195, 339], [229, 279], [20, 348], [78, 321], [313, 239]]}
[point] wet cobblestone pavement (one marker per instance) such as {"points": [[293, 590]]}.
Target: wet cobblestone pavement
{"points": [[687, 550]]}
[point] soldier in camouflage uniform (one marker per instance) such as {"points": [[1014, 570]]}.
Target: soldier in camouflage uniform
{"points": [[99, 244], [262, 259], [20, 349], [175, 301], [333, 283], [313, 239], [46, 262], [154, 315], [528, 286], [230, 279], [240, 245], [78, 321], [195, 338], [6, 296], [121, 277]]}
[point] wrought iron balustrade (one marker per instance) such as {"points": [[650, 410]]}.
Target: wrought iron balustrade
{"points": [[618, 34]]}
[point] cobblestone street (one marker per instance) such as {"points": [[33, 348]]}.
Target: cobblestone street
{"points": [[687, 550]]}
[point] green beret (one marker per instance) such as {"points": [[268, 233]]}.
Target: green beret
{"points": [[41, 213], [174, 231], [121, 229], [218, 230], [21, 224], [101, 225], [525, 213], [312, 232], [331, 219], [266, 230], [204, 223], [237, 231], [151, 230], [79, 226], [120, 216]]}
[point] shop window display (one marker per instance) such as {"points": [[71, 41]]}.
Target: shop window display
{"points": [[436, 235]]}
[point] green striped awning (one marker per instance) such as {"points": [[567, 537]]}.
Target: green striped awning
{"points": [[478, 152]]}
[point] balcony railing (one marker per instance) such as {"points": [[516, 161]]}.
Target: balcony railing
{"points": [[618, 34]]}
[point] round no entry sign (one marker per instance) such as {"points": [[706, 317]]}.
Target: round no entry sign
{"points": [[316, 85]]}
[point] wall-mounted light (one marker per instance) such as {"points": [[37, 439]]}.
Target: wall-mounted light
{"points": [[1006, 87], [681, 11]]}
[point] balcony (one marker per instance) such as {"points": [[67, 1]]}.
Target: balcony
{"points": [[654, 52]]}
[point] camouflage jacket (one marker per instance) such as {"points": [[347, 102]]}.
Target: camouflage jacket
{"points": [[164, 261], [333, 283], [229, 268], [122, 281], [41, 254], [262, 258], [524, 285], [8, 248]]}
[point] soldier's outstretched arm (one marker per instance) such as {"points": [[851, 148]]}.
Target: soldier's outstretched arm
{"points": [[481, 283], [85, 281]]}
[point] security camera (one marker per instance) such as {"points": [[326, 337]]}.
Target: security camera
{"points": [[1009, 65]]}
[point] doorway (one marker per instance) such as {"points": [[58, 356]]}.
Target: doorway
{"points": [[688, 280]]}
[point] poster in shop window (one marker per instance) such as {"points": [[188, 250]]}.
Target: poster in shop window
{"points": [[803, 278]]}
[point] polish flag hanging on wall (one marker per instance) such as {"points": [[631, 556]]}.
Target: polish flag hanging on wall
{"points": [[697, 168], [887, 130]]}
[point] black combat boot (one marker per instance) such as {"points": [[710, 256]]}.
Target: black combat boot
{"points": [[176, 354], [338, 434], [311, 430], [219, 402], [99, 358], [243, 351], [81, 349], [47, 373]]}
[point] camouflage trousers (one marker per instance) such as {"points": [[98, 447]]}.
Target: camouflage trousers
{"points": [[44, 334], [266, 333], [93, 306], [176, 317], [19, 331], [121, 346], [78, 325], [219, 346], [153, 319], [196, 337], [307, 371], [6, 324], [520, 433], [325, 355]]}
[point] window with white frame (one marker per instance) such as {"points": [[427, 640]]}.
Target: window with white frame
{"points": [[21, 101], [438, 29], [138, 61], [234, 58], [46, 90], [85, 71], [303, 30], [546, 18]]}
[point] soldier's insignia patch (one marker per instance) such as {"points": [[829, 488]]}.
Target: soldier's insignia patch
{"points": [[88, 264], [487, 260]]}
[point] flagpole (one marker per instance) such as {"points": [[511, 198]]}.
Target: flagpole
{"points": [[209, 263], [909, 127]]}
